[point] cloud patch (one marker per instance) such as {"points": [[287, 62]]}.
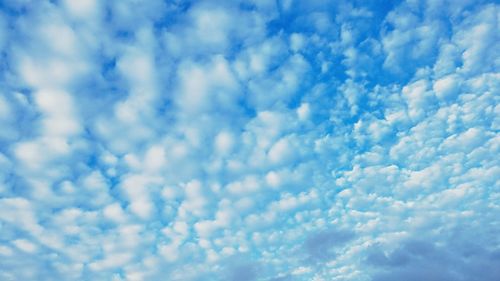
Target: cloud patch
{"points": [[255, 140]]}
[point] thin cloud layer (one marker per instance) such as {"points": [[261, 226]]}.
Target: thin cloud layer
{"points": [[261, 140]]}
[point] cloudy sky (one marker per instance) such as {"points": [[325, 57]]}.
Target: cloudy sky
{"points": [[250, 140]]}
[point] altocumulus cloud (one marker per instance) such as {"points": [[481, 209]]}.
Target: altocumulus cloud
{"points": [[249, 140]]}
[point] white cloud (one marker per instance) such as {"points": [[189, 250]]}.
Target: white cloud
{"points": [[297, 42], [20, 211], [137, 188], [304, 111], [418, 97], [115, 212], [85, 9], [25, 245], [207, 87], [282, 151], [5, 251], [248, 141], [224, 142], [446, 87], [155, 158], [5, 109]]}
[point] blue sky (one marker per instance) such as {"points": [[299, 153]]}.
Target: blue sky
{"points": [[249, 140]]}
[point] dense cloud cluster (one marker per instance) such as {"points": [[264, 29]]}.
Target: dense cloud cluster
{"points": [[250, 140]]}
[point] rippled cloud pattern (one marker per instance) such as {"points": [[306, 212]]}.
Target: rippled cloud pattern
{"points": [[250, 140]]}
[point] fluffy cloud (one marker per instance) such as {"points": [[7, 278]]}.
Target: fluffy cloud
{"points": [[255, 140]]}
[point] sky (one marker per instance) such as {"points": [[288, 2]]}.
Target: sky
{"points": [[250, 140]]}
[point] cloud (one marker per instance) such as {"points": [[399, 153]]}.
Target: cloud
{"points": [[416, 260], [322, 245], [249, 141]]}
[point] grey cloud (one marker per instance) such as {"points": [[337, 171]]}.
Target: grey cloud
{"points": [[422, 260], [245, 272], [323, 245]]}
